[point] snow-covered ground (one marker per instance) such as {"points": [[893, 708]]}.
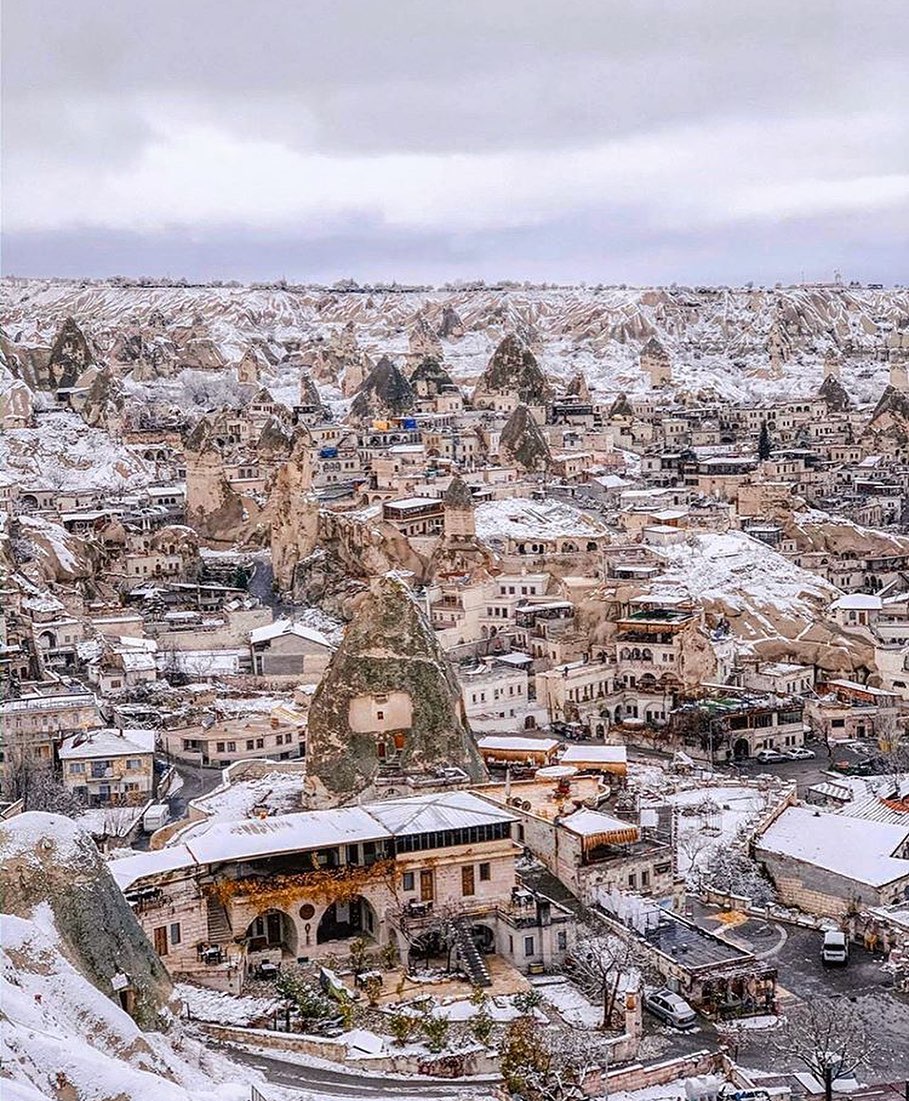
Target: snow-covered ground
{"points": [[717, 338], [744, 578], [58, 1030], [711, 818], [278, 792], [63, 452], [203, 1004], [572, 1005]]}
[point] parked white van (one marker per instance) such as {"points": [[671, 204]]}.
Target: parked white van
{"points": [[835, 949]]}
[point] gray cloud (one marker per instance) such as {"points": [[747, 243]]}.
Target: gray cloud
{"points": [[388, 134]]}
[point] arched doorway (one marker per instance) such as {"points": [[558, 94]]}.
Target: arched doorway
{"points": [[341, 920], [484, 938], [741, 749], [270, 931]]}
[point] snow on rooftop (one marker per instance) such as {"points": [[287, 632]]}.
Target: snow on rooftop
{"points": [[851, 847], [282, 627], [414, 502], [858, 601], [447, 810], [594, 754], [255, 837], [523, 518], [107, 742], [593, 823], [519, 745], [127, 870]]}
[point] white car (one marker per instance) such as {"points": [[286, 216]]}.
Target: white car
{"points": [[671, 1008], [767, 755], [799, 753]]}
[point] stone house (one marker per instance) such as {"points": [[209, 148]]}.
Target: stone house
{"points": [[32, 724], [831, 864], [496, 697], [288, 649], [844, 710], [298, 887], [279, 736], [109, 766]]}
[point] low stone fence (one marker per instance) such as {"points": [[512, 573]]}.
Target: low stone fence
{"points": [[463, 1064], [637, 1076]]}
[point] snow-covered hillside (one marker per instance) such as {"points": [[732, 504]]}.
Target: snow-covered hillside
{"points": [[64, 453], [731, 573], [718, 338]]}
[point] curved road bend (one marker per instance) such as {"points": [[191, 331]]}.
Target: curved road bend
{"points": [[340, 1083]]}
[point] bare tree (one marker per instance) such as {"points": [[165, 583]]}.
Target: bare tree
{"points": [[39, 787], [828, 1037], [535, 1070], [603, 965]]}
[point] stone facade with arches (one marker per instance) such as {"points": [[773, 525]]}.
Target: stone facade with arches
{"points": [[301, 887]]}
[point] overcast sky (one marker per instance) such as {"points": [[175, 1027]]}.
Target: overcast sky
{"points": [[639, 141]]}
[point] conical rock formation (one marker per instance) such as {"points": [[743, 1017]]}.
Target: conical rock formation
{"points": [[523, 443], [512, 370], [389, 704]]}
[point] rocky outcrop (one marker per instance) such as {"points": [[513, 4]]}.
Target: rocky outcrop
{"points": [[459, 551], [310, 398], [49, 863], [621, 407], [512, 370], [890, 419], [389, 706], [834, 394], [70, 356], [578, 388], [424, 340], [47, 552], [430, 378], [450, 327], [385, 393], [103, 403], [292, 512], [213, 508], [522, 442]]}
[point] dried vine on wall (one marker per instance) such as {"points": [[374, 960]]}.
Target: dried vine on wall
{"points": [[326, 885]]}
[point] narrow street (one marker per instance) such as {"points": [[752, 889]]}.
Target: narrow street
{"points": [[339, 1083]]}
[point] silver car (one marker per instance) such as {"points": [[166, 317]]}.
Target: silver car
{"points": [[671, 1008]]}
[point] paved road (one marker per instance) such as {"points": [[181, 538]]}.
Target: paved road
{"points": [[262, 586], [339, 1083], [803, 979], [196, 781]]}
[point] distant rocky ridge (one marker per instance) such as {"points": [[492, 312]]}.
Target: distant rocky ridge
{"points": [[720, 340]]}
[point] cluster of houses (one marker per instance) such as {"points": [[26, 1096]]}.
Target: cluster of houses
{"points": [[555, 545]]}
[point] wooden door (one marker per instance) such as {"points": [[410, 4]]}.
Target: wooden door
{"points": [[467, 879], [427, 886], [273, 929], [161, 940]]}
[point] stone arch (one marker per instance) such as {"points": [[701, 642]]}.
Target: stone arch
{"points": [[741, 749], [272, 930], [484, 937], [342, 920], [47, 640]]}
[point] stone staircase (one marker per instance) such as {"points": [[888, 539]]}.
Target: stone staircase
{"points": [[469, 955], [219, 930]]}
